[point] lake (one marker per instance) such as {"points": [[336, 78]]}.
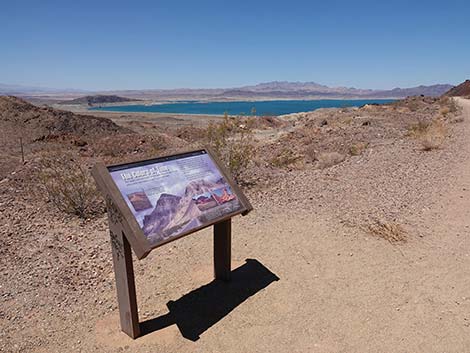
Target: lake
{"points": [[262, 108]]}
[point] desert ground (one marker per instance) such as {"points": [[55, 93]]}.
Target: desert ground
{"points": [[359, 240]]}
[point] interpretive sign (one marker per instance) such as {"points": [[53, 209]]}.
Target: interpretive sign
{"points": [[153, 202], [173, 196]]}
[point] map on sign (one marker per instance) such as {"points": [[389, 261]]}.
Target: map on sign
{"points": [[175, 195]]}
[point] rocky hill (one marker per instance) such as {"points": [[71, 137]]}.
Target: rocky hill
{"points": [[39, 122], [98, 99], [462, 90]]}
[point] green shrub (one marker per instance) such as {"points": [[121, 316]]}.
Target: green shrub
{"points": [[69, 186], [233, 142]]}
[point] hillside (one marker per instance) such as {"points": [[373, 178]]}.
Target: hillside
{"points": [[462, 90], [36, 122]]}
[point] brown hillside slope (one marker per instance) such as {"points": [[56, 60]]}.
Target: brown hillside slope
{"points": [[48, 131], [36, 122], [20, 120], [462, 90]]}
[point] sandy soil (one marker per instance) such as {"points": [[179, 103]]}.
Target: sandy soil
{"points": [[315, 280], [164, 120], [339, 290]]}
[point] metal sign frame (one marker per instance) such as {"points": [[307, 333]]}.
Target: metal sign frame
{"points": [[126, 234]]}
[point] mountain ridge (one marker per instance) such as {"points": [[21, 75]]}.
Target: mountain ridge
{"points": [[264, 90]]}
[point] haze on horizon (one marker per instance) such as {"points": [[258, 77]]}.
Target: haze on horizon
{"points": [[117, 45]]}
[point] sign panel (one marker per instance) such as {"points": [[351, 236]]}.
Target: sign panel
{"points": [[176, 195]]}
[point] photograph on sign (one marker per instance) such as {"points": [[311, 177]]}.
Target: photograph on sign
{"points": [[175, 195]]}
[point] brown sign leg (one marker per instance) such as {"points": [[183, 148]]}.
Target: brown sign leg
{"points": [[222, 249], [125, 284]]}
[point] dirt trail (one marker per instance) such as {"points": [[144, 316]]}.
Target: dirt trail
{"points": [[339, 290], [317, 285]]}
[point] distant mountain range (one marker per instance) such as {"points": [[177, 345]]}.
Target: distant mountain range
{"points": [[306, 89], [268, 90], [19, 90]]}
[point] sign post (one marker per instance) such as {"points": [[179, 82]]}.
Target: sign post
{"points": [[153, 202], [125, 283], [222, 250]]}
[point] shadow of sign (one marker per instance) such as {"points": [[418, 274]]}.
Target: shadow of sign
{"points": [[198, 310]]}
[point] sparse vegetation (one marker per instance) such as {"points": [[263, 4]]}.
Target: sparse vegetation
{"points": [[448, 106], [329, 159], [285, 158], [390, 231], [444, 111], [415, 130], [358, 148], [69, 186], [434, 136], [233, 142], [431, 134]]}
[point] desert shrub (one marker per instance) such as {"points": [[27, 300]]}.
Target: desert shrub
{"points": [[448, 105], [431, 134], [412, 105], [348, 120], [433, 137], [285, 158], [68, 185], [233, 142], [444, 111], [417, 129], [358, 148], [329, 159], [311, 153], [390, 231]]}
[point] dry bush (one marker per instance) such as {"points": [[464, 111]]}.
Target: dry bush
{"points": [[285, 158], [434, 136], [390, 231], [311, 153], [329, 159], [431, 134], [358, 148], [233, 142], [444, 111], [348, 120], [448, 105], [69, 186], [417, 129]]}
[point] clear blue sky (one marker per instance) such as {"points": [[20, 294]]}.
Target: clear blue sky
{"points": [[168, 44]]}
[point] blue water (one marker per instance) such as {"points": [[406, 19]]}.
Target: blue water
{"points": [[263, 108]]}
